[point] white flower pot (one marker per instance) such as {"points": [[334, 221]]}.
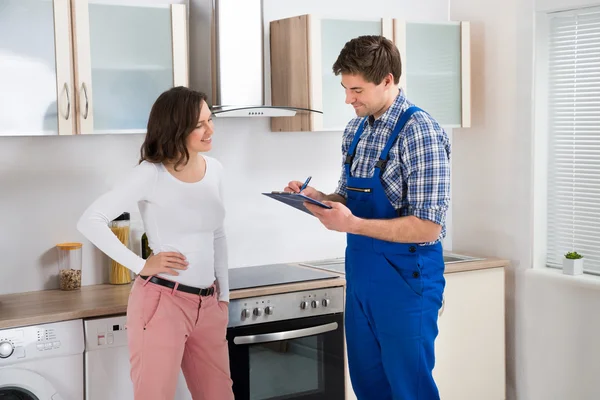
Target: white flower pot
{"points": [[572, 267]]}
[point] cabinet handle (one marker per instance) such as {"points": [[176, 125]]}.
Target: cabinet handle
{"points": [[87, 104], [443, 306], [66, 89]]}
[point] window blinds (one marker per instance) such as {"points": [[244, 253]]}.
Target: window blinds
{"points": [[574, 137]]}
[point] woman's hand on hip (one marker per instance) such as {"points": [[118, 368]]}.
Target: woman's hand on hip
{"points": [[167, 262]]}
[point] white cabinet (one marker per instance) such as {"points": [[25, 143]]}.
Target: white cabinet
{"points": [[349, 390], [435, 59], [470, 348], [87, 66]]}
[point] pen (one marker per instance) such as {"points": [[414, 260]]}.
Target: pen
{"points": [[305, 184]]}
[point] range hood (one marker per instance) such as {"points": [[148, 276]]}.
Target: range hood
{"points": [[230, 33]]}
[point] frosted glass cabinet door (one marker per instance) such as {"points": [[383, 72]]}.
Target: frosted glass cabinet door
{"points": [[435, 58], [132, 56], [35, 71], [334, 34]]}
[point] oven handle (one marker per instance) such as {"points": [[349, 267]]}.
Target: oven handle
{"points": [[276, 336]]}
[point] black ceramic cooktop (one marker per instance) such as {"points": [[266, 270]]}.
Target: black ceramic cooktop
{"points": [[274, 274]]}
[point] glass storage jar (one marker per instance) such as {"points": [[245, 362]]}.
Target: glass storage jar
{"points": [[69, 265], [117, 273]]}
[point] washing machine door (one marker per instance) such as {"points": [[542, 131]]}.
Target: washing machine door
{"points": [[22, 384]]}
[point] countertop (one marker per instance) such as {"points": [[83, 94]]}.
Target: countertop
{"points": [[47, 306], [463, 266], [486, 263]]}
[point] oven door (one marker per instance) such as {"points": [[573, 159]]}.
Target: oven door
{"points": [[295, 359]]}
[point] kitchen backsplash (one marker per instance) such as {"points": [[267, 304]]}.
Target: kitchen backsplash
{"points": [[47, 182]]}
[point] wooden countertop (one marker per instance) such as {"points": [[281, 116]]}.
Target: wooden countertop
{"points": [[486, 263], [463, 266], [47, 306]]}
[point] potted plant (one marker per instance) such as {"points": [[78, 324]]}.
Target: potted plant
{"points": [[573, 263]]}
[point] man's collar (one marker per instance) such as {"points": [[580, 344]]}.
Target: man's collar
{"points": [[390, 116]]}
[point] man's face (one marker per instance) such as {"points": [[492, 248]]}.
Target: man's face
{"points": [[367, 98]]}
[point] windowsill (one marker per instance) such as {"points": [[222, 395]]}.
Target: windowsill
{"points": [[584, 281]]}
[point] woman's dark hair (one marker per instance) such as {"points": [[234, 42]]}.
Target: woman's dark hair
{"points": [[371, 56], [174, 115]]}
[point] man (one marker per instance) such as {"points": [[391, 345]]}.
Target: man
{"points": [[391, 201]]}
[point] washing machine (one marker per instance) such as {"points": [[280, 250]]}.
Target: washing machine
{"points": [[107, 361], [42, 362]]}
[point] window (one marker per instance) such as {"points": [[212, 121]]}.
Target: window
{"points": [[573, 180]]}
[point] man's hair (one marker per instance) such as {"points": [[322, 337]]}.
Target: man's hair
{"points": [[373, 57]]}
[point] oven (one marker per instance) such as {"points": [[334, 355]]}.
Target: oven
{"points": [[288, 346]]}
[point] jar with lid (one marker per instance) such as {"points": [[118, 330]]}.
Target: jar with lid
{"points": [[117, 273], [69, 265]]}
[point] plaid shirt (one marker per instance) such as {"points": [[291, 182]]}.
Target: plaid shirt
{"points": [[416, 179]]}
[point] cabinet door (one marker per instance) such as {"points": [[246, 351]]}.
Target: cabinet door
{"points": [[329, 37], [303, 51], [470, 348], [35, 68], [436, 68], [127, 54]]}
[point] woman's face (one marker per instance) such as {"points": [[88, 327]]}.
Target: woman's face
{"points": [[200, 140]]}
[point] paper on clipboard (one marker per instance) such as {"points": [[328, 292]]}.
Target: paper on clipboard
{"points": [[295, 200]]}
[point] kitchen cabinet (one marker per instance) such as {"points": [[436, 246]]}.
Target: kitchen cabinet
{"points": [[470, 348], [436, 67], [87, 66], [303, 50], [435, 59]]}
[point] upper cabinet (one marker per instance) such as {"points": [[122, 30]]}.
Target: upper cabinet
{"points": [[92, 66], [435, 63], [436, 67], [36, 75], [303, 50]]}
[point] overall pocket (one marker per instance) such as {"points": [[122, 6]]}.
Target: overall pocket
{"points": [[408, 269]]}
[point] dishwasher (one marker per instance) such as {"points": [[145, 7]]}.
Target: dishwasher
{"points": [[107, 361]]}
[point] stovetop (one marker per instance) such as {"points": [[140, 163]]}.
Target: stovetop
{"points": [[273, 274], [281, 306], [332, 264]]}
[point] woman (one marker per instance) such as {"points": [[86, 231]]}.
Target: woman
{"points": [[177, 312]]}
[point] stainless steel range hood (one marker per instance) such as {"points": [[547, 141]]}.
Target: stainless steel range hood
{"points": [[227, 55]]}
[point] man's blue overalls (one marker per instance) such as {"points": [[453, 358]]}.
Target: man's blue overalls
{"points": [[394, 293]]}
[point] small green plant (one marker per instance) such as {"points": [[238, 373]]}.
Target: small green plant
{"points": [[573, 255]]}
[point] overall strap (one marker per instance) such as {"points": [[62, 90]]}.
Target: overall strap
{"points": [[352, 150], [384, 156]]}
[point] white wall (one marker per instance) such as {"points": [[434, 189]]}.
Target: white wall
{"points": [[551, 324], [559, 313], [47, 182]]}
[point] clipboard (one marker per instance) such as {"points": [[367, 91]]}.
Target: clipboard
{"points": [[295, 200]]}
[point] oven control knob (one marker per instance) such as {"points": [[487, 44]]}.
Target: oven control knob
{"points": [[258, 311], [246, 313], [326, 302], [315, 304], [303, 305], [269, 310], [6, 349]]}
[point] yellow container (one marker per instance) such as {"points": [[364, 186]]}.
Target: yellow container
{"points": [[117, 273], [69, 265]]}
